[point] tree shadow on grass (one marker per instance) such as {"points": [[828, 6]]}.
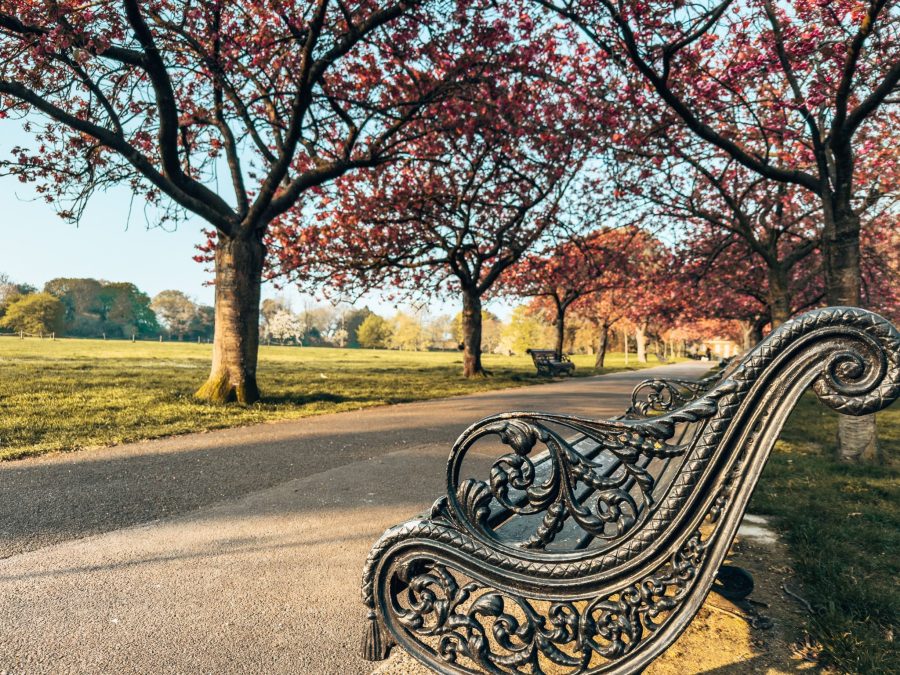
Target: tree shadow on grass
{"points": [[314, 397]]}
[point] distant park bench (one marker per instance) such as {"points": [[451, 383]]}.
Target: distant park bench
{"points": [[593, 543], [549, 363]]}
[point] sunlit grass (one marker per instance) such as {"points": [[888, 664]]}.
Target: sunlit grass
{"points": [[71, 394], [842, 524]]}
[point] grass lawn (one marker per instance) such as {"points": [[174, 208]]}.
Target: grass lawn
{"points": [[842, 524], [71, 394]]}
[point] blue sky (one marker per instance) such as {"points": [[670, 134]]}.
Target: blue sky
{"points": [[36, 245]]}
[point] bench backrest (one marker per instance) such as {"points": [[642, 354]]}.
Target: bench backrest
{"points": [[542, 356], [659, 469]]}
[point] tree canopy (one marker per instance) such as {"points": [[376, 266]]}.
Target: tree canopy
{"points": [[34, 314]]}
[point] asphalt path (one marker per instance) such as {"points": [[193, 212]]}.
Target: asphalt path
{"points": [[237, 550]]}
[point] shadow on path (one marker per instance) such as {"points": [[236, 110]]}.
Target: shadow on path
{"points": [[50, 499]]}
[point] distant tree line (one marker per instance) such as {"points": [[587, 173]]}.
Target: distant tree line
{"points": [[328, 326], [91, 308], [94, 308]]}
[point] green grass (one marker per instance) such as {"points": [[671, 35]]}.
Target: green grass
{"points": [[842, 524], [67, 395]]}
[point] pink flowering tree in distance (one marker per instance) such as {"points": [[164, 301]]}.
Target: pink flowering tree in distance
{"points": [[461, 206], [801, 93], [605, 260]]}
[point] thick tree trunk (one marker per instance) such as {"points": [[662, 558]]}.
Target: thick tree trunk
{"points": [[640, 338], [857, 436], [471, 325], [601, 345], [843, 278], [239, 266], [779, 297]]}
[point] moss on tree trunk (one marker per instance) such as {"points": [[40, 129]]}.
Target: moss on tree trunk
{"points": [[239, 264]]}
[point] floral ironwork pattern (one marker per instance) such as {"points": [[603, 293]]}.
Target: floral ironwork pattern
{"points": [[507, 633], [573, 486], [660, 396]]}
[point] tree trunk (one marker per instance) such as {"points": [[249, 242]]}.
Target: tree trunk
{"points": [[601, 346], [560, 330], [239, 266], [625, 343], [640, 338], [756, 333], [779, 296], [843, 279], [746, 334], [857, 436], [471, 326]]}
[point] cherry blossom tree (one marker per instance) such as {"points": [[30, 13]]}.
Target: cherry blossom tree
{"points": [[801, 93], [228, 111], [460, 208], [575, 268], [602, 310], [654, 296], [727, 281], [739, 222], [759, 285]]}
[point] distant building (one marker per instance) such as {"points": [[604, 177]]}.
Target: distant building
{"points": [[722, 348]]}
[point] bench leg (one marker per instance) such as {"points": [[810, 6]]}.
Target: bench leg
{"points": [[377, 642]]}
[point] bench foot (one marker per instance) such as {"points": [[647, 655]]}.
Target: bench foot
{"points": [[376, 644], [733, 582]]}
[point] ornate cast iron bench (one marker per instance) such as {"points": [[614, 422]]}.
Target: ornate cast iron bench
{"points": [[593, 543], [547, 363]]}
